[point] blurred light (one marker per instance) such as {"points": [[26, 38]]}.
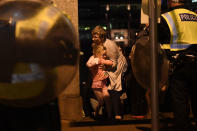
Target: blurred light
{"points": [[10, 20], [116, 37], [81, 53], [110, 25], [105, 27], [87, 28], [121, 37], [107, 7], [128, 7], [136, 33]]}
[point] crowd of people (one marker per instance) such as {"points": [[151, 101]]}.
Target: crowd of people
{"points": [[114, 85]]}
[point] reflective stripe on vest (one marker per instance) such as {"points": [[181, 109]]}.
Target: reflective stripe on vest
{"points": [[174, 47], [178, 21]]}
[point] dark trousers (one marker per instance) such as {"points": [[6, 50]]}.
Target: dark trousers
{"points": [[116, 103], [136, 96], [183, 83]]}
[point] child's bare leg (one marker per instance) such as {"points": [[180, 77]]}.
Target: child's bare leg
{"points": [[100, 99], [107, 102]]}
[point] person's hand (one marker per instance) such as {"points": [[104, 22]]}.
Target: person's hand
{"points": [[101, 61], [164, 88]]}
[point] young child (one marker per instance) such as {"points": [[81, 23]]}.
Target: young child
{"points": [[96, 63]]}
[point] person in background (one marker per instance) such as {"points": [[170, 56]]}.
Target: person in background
{"points": [[118, 94], [137, 97], [96, 64]]}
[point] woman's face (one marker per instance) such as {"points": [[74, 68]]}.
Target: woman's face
{"points": [[96, 39]]}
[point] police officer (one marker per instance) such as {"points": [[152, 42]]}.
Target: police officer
{"points": [[178, 29]]}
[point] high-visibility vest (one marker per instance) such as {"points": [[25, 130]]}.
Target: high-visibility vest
{"points": [[183, 28]]}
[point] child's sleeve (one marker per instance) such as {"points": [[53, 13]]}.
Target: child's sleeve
{"points": [[92, 62]]}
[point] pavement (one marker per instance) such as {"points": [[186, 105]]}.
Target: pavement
{"points": [[127, 124]]}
